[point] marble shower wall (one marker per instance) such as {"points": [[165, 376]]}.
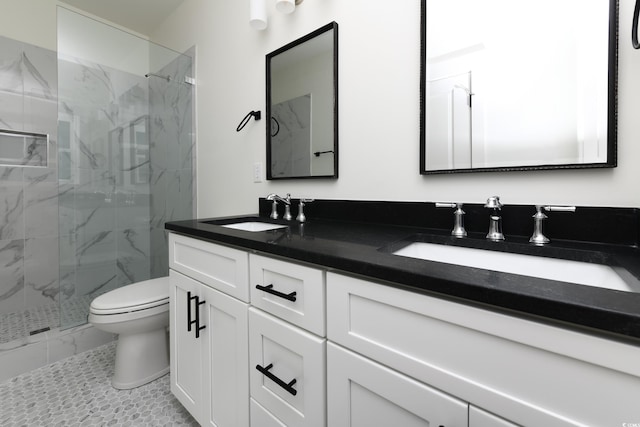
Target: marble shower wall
{"points": [[28, 194]]}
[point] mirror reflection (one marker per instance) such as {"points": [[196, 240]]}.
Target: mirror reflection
{"points": [[302, 99], [510, 86]]}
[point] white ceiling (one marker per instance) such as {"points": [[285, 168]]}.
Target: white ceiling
{"points": [[141, 16]]}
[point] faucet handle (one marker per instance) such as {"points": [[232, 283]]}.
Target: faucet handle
{"points": [[557, 208], [301, 216], [458, 226], [538, 238]]}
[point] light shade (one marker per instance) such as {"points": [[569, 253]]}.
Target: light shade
{"points": [[285, 6], [258, 14]]}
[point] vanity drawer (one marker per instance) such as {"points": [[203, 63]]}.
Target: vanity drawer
{"points": [[289, 291], [278, 354], [223, 268]]}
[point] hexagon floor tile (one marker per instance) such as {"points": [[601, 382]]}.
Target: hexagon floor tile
{"points": [[77, 392]]}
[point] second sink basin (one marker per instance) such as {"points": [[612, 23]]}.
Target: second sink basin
{"points": [[254, 226], [582, 273]]}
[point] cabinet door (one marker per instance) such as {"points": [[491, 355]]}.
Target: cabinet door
{"points": [[225, 360], [285, 353], [260, 417], [363, 393], [185, 349], [480, 418]]}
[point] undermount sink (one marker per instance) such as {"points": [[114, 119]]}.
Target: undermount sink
{"points": [[254, 226], [582, 273]]}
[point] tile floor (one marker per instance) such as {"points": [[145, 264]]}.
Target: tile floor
{"points": [[76, 392], [17, 325]]}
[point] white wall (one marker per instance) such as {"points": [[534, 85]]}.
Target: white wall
{"points": [[379, 111]]}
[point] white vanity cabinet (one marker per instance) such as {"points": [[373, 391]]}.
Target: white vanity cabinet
{"points": [[363, 393], [209, 331], [284, 344], [525, 372]]}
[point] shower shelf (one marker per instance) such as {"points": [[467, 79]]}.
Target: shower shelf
{"points": [[18, 148]]}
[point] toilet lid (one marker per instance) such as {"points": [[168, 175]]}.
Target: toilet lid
{"points": [[136, 296]]}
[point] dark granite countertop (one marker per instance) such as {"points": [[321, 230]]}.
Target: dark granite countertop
{"points": [[363, 249]]}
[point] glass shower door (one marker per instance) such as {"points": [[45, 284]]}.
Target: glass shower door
{"points": [[123, 106]]}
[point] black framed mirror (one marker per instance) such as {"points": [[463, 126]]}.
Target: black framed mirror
{"points": [[302, 107], [507, 86]]}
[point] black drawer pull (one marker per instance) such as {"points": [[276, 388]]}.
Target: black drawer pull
{"points": [[287, 386], [269, 289]]}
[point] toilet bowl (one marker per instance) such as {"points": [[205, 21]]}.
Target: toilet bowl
{"points": [[139, 314]]}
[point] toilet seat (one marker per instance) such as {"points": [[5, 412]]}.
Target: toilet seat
{"points": [[131, 298]]}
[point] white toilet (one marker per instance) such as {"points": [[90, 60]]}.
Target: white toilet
{"points": [[139, 314]]}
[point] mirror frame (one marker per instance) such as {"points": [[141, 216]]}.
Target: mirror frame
{"points": [[333, 26], [612, 97]]}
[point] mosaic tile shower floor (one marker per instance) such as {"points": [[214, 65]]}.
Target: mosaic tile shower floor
{"points": [[76, 392], [15, 326]]}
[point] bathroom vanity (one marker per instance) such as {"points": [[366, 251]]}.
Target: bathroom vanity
{"points": [[321, 324]]}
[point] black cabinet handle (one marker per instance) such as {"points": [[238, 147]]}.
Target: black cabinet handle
{"points": [[634, 26], [269, 289], [195, 321], [287, 386], [189, 321]]}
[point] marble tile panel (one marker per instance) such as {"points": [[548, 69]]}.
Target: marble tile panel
{"points": [[66, 209], [41, 271], [75, 341], [22, 359], [133, 210], [158, 189], [11, 110], [40, 116], [40, 72], [179, 194], [41, 207], [10, 65], [95, 249], [12, 292], [133, 255], [96, 279], [11, 203]]}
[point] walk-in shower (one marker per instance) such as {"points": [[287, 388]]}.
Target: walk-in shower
{"points": [[87, 215]]}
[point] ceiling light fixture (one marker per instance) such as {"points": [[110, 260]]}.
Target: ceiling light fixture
{"points": [[258, 11]]}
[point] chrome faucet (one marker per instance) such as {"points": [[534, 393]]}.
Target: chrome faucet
{"points": [[301, 216], [538, 238], [458, 226], [274, 207], [495, 220]]}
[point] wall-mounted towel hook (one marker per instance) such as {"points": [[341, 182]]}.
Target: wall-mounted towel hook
{"points": [[255, 114], [634, 29]]}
